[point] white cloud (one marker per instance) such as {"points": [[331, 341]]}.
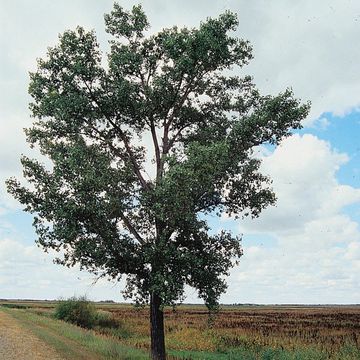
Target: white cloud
{"points": [[303, 171], [27, 272], [309, 46], [317, 250], [301, 274], [353, 252]]}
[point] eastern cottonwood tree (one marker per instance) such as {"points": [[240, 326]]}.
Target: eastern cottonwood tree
{"points": [[98, 206]]}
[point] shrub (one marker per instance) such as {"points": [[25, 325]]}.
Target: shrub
{"points": [[105, 319], [79, 311], [15, 306]]}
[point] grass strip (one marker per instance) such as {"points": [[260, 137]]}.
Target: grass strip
{"points": [[73, 342]]}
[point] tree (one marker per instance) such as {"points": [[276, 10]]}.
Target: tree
{"points": [[96, 204]]}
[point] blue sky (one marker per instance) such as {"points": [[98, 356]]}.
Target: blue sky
{"points": [[304, 250], [343, 133]]}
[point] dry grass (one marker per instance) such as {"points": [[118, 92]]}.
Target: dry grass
{"points": [[326, 330]]}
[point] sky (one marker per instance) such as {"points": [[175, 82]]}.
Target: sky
{"points": [[306, 249]]}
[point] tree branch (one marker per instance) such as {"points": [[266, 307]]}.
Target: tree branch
{"points": [[174, 138], [131, 228], [157, 149], [123, 137]]}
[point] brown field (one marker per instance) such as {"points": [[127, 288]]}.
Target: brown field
{"points": [[327, 329]]}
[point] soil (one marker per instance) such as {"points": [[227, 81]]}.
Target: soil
{"points": [[17, 343]]}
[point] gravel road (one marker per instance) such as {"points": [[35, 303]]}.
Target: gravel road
{"points": [[17, 343]]}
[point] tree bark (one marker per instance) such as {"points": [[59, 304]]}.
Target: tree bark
{"points": [[157, 329]]}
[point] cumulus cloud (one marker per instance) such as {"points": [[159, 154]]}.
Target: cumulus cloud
{"points": [[303, 170], [316, 254], [306, 45], [27, 272], [296, 274]]}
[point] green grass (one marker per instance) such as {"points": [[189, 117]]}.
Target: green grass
{"points": [[14, 306], [73, 342], [347, 353]]}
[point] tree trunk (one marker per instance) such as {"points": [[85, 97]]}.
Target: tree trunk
{"points": [[157, 329]]}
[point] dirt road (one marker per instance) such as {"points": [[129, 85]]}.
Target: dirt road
{"points": [[18, 343]]}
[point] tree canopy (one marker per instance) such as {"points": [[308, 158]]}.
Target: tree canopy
{"points": [[167, 101]]}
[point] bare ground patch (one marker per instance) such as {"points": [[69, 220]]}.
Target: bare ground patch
{"points": [[18, 343]]}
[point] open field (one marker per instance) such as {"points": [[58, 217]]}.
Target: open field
{"points": [[241, 332]]}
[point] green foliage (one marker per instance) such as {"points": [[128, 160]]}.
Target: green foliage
{"points": [[261, 353], [15, 306], [105, 319], [106, 324], [78, 311], [96, 204]]}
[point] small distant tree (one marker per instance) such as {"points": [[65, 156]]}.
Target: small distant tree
{"points": [[98, 203]]}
